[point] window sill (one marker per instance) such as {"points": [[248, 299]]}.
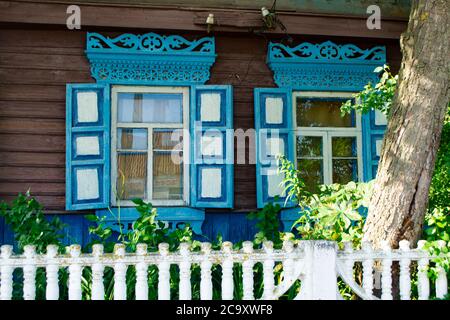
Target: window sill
{"points": [[176, 217]]}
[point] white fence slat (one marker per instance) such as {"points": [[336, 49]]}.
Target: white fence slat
{"points": [[349, 263], [6, 282], [423, 282], [405, 277], [268, 265], [75, 269], [29, 273], [185, 272], [247, 271], [386, 273], [206, 288], [441, 280], [227, 271], [316, 263], [98, 269], [120, 271], [164, 273], [141, 273], [367, 268], [51, 271]]}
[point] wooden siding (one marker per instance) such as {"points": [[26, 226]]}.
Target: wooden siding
{"points": [[110, 15], [36, 64], [389, 9]]}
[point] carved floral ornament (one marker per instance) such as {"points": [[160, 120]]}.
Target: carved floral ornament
{"points": [[150, 59], [324, 66]]}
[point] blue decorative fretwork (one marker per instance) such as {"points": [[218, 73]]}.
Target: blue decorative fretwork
{"points": [[324, 66], [150, 59]]}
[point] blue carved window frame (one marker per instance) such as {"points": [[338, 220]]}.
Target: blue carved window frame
{"points": [[328, 66], [151, 60]]}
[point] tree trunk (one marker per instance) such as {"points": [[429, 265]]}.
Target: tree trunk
{"points": [[398, 205]]}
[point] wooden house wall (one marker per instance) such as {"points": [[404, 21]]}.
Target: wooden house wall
{"points": [[36, 64]]}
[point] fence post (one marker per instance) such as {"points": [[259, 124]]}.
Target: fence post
{"points": [[324, 270], [141, 273], [29, 273], [52, 290], [185, 272], [98, 269], [163, 273], [247, 271], [206, 288], [227, 271], [320, 277], [120, 273], [6, 278], [75, 270]]}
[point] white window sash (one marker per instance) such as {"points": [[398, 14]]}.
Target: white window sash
{"points": [[328, 132], [150, 127]]}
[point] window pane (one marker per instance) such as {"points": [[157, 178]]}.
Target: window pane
{"points": [[135, 139], [131, 175], [345, 170], [343, 146], [167, 176], [309, 146], [168, 139], [315, 112], [312, 173], [150, 107]]}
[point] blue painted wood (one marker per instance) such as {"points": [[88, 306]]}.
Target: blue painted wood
{"points": [[123, 218], [288, 218], [233, 227], [322, 67], [284, 130], [225, 162], [325, 66], [371, 133], [156, 59], [75, 230], [2, 230], [8, 236], [101, 129]]}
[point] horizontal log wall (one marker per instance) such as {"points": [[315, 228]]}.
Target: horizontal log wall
{"points": [[36, 64]]}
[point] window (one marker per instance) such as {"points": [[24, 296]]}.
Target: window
{"points": [[149, 155], [328, 146]]}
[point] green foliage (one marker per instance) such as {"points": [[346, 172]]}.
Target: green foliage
{"points": [[26, 219], [333, 213], [268, 224], [440, 185], [146, 229], [378, 97], [293, 184], [437, 234], [437, 225], [437, 219]]}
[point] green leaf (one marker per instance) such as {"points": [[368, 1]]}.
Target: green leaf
{"points": [[378, 69]]}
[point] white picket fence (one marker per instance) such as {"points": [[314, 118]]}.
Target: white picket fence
{"points": [[317, 264]]}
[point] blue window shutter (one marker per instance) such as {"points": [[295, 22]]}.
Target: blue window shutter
{"points": [[373, 128], [274, 128], [87, 146], [211, 124]]}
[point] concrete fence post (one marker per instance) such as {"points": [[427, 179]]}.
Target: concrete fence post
{"points": [[324, 270], [320, 277]]}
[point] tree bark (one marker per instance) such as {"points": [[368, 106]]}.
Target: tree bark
{"points": [[398, 205]]}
